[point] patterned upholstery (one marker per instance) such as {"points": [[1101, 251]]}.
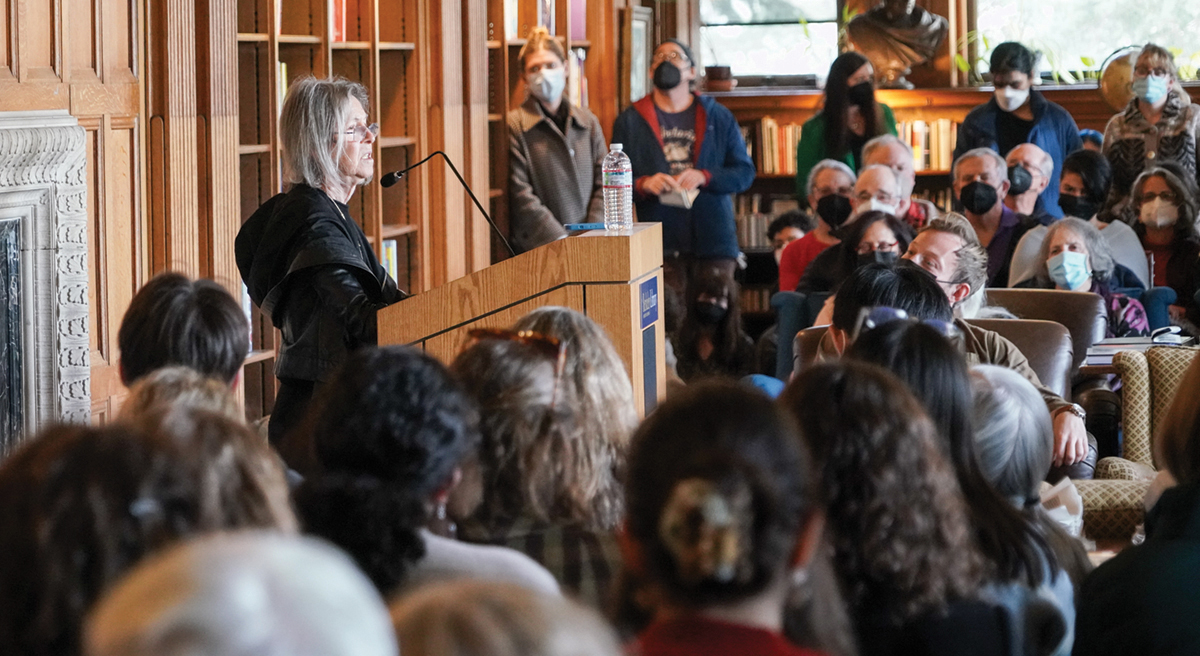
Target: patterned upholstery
{"points": [[1112, 503]]}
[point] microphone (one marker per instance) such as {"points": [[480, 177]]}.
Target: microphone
{"points": [[392, 178]]}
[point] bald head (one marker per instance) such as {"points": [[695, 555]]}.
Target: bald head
{"points": [[876, 183], [889, 151]]}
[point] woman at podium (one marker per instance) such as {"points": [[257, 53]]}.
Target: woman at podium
{"points": [[304, 260]]}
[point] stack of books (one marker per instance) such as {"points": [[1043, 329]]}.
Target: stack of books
{"points": [[1101, 353]]}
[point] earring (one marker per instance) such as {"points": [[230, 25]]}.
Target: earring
{"points": [[799, 576], [441, 524]]}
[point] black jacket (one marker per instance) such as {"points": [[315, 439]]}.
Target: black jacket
{"points": [[312, 270]]}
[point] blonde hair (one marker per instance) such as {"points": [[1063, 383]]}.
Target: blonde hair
{"points": [[1160, 56], [1177, 447], [180, 386], [477, 618], [541, 39]]}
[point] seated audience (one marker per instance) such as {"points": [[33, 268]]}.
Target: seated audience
{"points": [[1029, 171], [830, 185], [383, 448], [711, 341], [1143, 600], [248, 593], [980, 180], [478, 618], [593, 374], [1022, 563], [948, 249], [175, 386], [918, 295], [1093, 140], [543, 482], [878, 189], [888, 150], [1076, 258], [1160, 107], [872, 237], [901, 541], [787, 228], [173, 320], [79, 506], [1167, 207], [722, 519]]}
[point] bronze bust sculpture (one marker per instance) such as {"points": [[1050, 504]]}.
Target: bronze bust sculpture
{"points": [[897, 35]]}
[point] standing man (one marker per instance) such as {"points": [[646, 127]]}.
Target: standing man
{"points": [[980, 183], [1017, 114], [888, 150], [680, 142]]}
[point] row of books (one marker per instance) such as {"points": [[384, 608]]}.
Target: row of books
{"points": [[777, 147], [932, 142], [545, 15], [943, 199], [753, 213], [391, 261], [755, 299]]}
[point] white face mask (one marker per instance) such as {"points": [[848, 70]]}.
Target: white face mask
{"points": [[547, 84], [1158, 213], [877, 205], [1011, 99]]}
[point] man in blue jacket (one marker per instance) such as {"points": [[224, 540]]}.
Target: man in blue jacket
{"points": [[680, 141], [1018, 114]]}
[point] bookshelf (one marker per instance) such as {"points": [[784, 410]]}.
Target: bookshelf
{"points": [[374, 42]]}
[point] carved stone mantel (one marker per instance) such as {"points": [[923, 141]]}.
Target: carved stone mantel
{"points": [[43, 183]]}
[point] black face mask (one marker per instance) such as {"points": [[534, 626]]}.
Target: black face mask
{"points": [[709, 313], [1019, 179], [1078, 206], [667, 76], [978, 197], [878, 257], [834, 209], [861, 94]]}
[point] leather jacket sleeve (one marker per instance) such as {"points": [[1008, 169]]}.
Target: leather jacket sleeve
{"points": [[342, 295]]}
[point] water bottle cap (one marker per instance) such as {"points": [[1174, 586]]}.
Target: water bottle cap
{"points": [[617, 146]]}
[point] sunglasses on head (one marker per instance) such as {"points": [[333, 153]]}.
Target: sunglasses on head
{"points": [[546, 345], [873, 317]]}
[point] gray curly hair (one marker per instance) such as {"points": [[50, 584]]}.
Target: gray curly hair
{"points": [[1099, 254]]}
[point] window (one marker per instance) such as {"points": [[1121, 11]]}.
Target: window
{"points": [[1076, 36], [769, 37]]}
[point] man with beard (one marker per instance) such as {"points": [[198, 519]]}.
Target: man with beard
{"points": [[681, 143]]}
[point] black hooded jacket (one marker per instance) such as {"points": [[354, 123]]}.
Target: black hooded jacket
{"points": [[312, 270]]}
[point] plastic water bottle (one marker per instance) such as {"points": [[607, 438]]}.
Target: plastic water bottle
{"points": [[618, 189]]}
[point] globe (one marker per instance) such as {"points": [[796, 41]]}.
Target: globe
{"points": [[1116, 77]]}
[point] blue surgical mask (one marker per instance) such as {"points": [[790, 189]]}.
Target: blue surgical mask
{"points": [[1151, 88], [1069, 270]]}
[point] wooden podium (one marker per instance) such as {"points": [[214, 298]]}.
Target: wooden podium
{"points": [[616, 279]]}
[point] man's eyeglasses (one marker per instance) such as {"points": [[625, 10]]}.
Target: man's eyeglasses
{"points": [[873, 317], [671, 56], [546, 345], [359, 132]]}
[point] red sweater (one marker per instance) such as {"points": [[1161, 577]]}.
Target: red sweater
{"points": [[795, 259], [701, 636]]}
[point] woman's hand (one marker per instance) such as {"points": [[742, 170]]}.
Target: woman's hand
{"points": [[691, 179], [659, 184]]}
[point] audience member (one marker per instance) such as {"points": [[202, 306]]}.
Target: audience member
{"points": [[787, 228], [1142, 600], [1019, 114], [830, 185], [850, 117], [1076, 258], [679, 141], [593, 374], [1022, 563], [948, 249], [179, 386], [872, 237], [1029, 169], [722, 520], [901, 542], [1093, 140], [888, 150], [980, 181], [1167, 207], [174, 320], [247, 593], [476, 618], [877, 189], [79, 506], [711, 340], [380, 453], [543, 482], [1160, 124], [555, 150]]}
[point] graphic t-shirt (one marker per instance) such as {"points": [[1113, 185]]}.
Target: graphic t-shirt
{"points": [[679, 138]]}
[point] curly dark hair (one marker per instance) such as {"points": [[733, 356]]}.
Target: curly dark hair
{"points": [[387, 434], [854, 232], [896, 517], [79, 506]]}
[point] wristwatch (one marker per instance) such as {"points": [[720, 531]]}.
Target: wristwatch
{"points": [[1076, 410]]}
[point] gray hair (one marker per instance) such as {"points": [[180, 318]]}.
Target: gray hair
{"points": [[891, 175], [1099, 254], [972, 258], [483, 618], [253, 593], [998, 162], [312, 125], [1045, 162], [882, 141], [825, 165], [1014, 437]]}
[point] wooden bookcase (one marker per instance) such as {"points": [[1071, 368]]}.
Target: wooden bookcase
{"points": [[375, 43]]}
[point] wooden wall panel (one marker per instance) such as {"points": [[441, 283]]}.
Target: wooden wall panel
{"points": [[475, 129]]}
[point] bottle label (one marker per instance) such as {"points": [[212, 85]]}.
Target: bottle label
{"points": [[618, 179]]}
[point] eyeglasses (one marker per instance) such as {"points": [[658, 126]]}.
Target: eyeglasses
{"points": [[867, 247], [359, 132], [1168, 196], [873, 317], [1157, 71], [546, 345], [670, 56]]}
